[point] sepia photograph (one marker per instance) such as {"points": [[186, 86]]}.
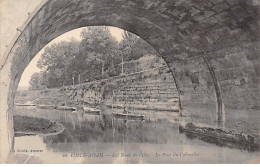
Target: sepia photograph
{"points": [[130, 82]]}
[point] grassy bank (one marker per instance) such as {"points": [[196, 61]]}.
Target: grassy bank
{"points": [[45, 97], [31, 125]]}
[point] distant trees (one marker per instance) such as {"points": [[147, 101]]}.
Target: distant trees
{"points": [[98, 55]]}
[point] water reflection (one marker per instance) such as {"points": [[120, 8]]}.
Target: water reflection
{"points": [[85, 133], [105, 128]]}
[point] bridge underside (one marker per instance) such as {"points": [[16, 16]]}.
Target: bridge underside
{"points": [[211, 46]]}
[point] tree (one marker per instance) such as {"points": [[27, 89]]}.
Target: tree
{"points": [[98, 49], [126, 45], [37, 81], [132, 47], [55, 61]]}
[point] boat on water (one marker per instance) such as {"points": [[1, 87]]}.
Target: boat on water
{"points": [[74, 111], [66, 108], [128, 115], [46, 107], [88, 110], [24, 104]]}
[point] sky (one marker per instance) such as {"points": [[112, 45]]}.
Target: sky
{"points": [[13, 14]]}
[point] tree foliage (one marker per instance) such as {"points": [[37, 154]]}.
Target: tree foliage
{"points": [[37, 81], [98, 55]]}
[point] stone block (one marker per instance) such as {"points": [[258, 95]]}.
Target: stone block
{"points": [[196, 98], [239, 12], [216, 1], [232, 2], [257, 69], [194, 11], [204, 15], [223, 16], [220, 7], [253, 56], [185, 24], [203, 5]]}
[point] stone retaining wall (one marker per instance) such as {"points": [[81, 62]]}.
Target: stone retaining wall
{"points": [[152, 89]]}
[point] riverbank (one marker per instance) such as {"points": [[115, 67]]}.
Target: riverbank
{"points": [[221, 137], [44, 97], [30, 126]]}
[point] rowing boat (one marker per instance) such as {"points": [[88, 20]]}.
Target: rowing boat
{"points": [[128, 115], [66, 108], [46, 107], [25, 104], [88, 110]]}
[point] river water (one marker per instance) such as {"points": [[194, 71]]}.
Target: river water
{"points": [[105, 139]]}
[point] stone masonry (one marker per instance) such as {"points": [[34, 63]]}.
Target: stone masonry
{"points": [[152, 89]]}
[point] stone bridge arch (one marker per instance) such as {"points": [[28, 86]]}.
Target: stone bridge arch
{"points": [[211, 46]]}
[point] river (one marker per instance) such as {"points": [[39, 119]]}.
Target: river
{"points": [[105, 139]]}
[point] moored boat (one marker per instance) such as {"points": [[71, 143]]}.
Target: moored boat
{"points": [[128, 115], [25, 104], [66, 108], [88, 110], [46, 107]]}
